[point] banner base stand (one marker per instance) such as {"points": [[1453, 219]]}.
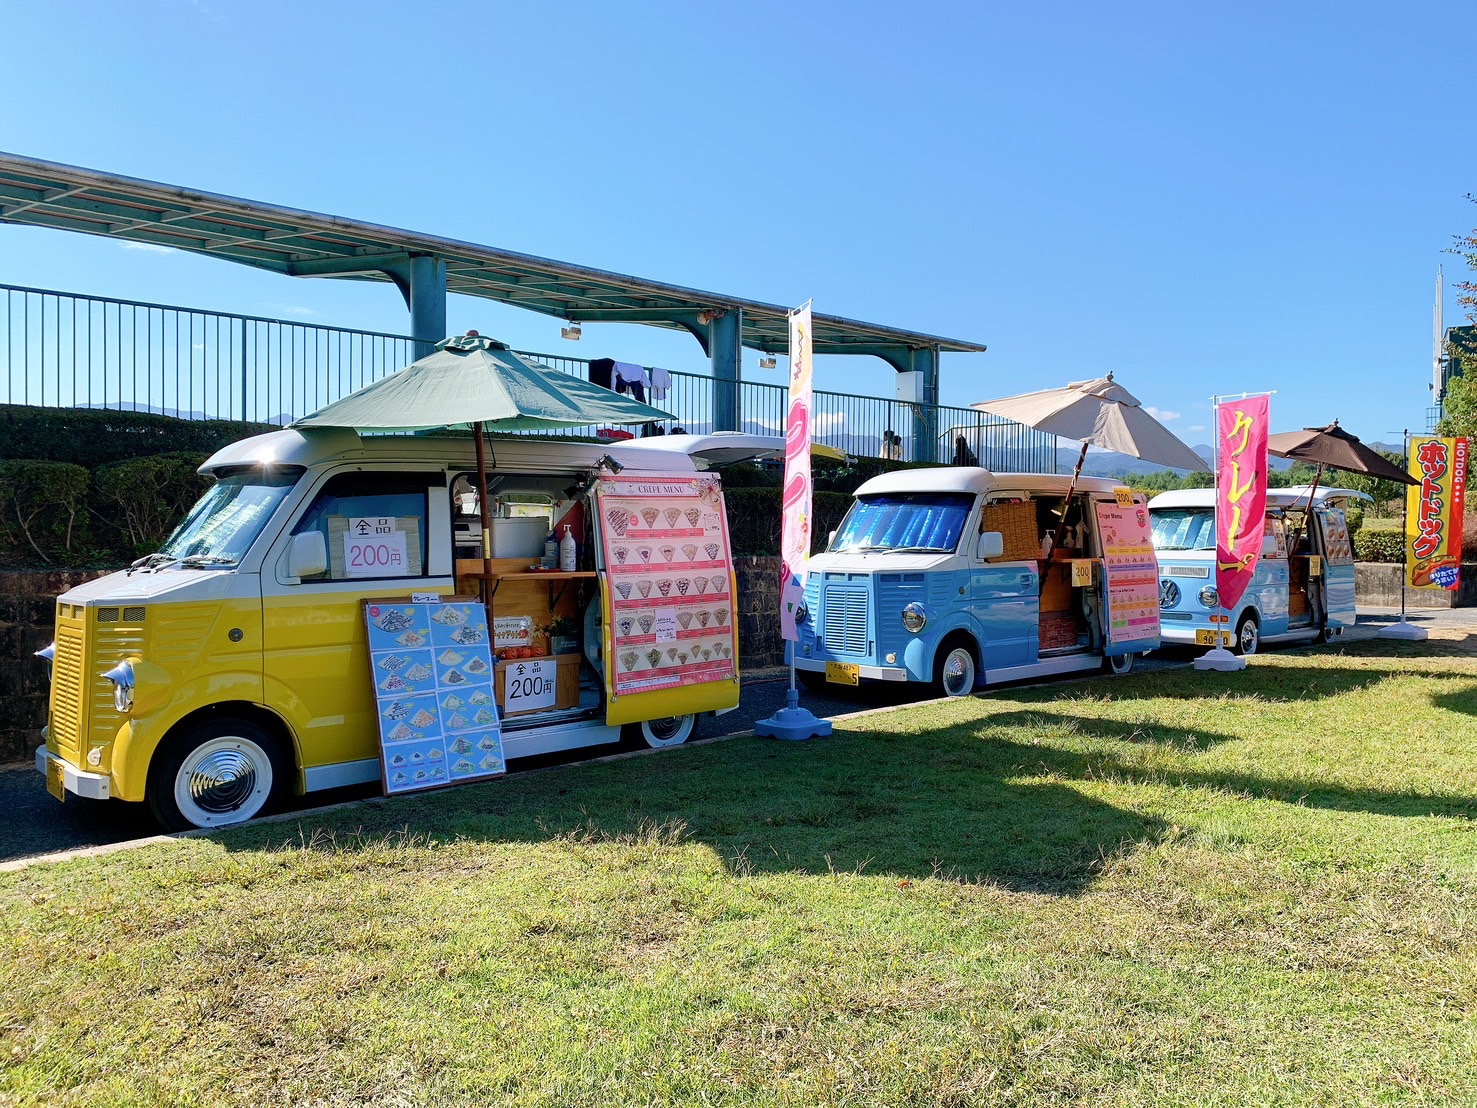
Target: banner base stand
{"points": [[792, 722], [1221, 660], [1405, 632]]}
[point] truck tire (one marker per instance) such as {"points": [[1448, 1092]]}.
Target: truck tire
{"points": [[955, 669], [214, 774], [659, 733], [1248, 635]]}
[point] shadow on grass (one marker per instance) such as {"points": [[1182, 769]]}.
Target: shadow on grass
{"points": [[976, 801], [855, 803]]}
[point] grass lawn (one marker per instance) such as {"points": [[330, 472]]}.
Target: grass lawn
{"points": [[1171, 888]]}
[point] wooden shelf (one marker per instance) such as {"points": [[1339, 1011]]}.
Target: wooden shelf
{"points": [[529, 575]]}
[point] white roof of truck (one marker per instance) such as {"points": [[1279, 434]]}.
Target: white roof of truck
{"points": [[974, 479], [511, 454], [1276, 498]]}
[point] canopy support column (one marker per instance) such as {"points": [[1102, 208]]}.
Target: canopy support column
{"points": [[725, 349], [427, 298], [924, 372]]}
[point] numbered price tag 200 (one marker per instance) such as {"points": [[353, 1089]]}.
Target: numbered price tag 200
{"points": [[528, 685]]}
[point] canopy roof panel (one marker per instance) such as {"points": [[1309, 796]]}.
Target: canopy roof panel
{"points": [[308, 244]]}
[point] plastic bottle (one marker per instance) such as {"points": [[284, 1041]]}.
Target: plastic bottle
{"points": [[567, 551], [551, 552]]}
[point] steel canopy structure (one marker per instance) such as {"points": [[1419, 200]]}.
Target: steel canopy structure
{"points": [[425, 268]]}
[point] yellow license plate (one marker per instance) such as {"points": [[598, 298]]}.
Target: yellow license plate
{"points": [[1207, 638], [843, 673], [55, 782]]}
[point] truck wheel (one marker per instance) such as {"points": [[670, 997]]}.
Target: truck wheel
{"points": [[953, 673], [1119, 665], [1248, 635], [657, 733], [217, 773]]}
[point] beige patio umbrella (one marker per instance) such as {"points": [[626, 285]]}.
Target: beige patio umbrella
{"points": [[1096, 413]]}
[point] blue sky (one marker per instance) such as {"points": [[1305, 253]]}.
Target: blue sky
{"points": [[1201, 198]]}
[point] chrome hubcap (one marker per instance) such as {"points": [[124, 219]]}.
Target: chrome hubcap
{"points": [[958, 670], [665, 730], [1248, 638], [222, 781]]}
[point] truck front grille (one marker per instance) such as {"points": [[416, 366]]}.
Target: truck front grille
{"points": [[845, 628], [68, 692]]}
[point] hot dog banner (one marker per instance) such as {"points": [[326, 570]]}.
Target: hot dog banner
{"points": [[1240, 494], [665, 542], [1433, 512], [795, 504]]}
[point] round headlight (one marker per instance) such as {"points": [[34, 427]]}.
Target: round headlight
{"points": [[122, 677], [802, 613], [1209, 597], [914, 618]]}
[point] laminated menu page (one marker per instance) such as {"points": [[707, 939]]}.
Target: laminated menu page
{"points": [[431, 663], [1130, 571], [665, 542]]}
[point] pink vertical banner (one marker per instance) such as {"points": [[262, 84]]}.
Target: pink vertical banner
{"points": [[1240, 494], [795, 505]]}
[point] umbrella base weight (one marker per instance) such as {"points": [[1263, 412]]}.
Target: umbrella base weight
{"points": [[1220, 660], [1404, 632], [792, 722]]}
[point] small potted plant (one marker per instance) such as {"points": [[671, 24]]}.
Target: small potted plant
{"points": [[564, 636]]}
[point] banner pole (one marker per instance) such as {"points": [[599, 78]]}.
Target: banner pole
{"points": [[1218, 657], [1408, 632]]}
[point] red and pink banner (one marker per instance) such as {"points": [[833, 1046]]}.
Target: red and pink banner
{"points": [[795, 506], [1240, 494]]}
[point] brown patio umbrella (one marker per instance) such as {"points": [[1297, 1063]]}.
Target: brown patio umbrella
{"points": [[1332, 447]]}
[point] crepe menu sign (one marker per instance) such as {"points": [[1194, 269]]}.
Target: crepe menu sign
{"points": [[665, 544], [1130, 572], [432, 667]]}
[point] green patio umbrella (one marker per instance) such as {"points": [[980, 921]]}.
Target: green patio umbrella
{"points": [[476, 382]]}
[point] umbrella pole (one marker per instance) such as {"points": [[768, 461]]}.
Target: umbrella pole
{"points": [[1071, 488], [482, 508]]}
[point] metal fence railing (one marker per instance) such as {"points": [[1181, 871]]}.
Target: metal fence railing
{"points": [[64, 349]]}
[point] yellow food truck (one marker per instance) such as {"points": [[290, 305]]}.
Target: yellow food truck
{"points": [[230, 668]]}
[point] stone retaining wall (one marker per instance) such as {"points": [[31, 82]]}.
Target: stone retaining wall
{"points": [[1377, 585], [27, 615], [758, 606]]}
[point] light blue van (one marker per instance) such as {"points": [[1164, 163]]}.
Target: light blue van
{"points": [[1299, 592], [913, 588]]}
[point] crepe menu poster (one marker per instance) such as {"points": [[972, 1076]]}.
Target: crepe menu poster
{"points": [[1130, 571], [665, 543], [432, 669]]}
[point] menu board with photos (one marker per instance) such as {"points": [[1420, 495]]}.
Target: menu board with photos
{"points": [[665, 542], [432, 668], [1130, 572]]}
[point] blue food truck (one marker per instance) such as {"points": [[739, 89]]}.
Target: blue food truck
{"points": [[1303, 587], [960, 577]]}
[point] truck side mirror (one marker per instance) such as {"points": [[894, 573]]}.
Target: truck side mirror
{"points": [[831, 540], [991, 544], [308, 556]]}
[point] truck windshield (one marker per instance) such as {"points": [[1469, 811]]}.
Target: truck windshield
{"points": [[1183, 528], [913, 521], [225, 522]]}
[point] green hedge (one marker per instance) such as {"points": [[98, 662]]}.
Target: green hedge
{"points": [[94, 437], [1379, 546], [41, 506], [754, 519]]}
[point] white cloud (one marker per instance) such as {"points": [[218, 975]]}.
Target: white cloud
{"points": [[1197, 427], [1163, 415], [151, 247], [291, 309]]}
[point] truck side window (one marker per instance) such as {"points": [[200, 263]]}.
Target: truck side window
{"points": [[388, 508]]}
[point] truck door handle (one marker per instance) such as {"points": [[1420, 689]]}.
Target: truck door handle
{"points": [[1025, 579]]}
